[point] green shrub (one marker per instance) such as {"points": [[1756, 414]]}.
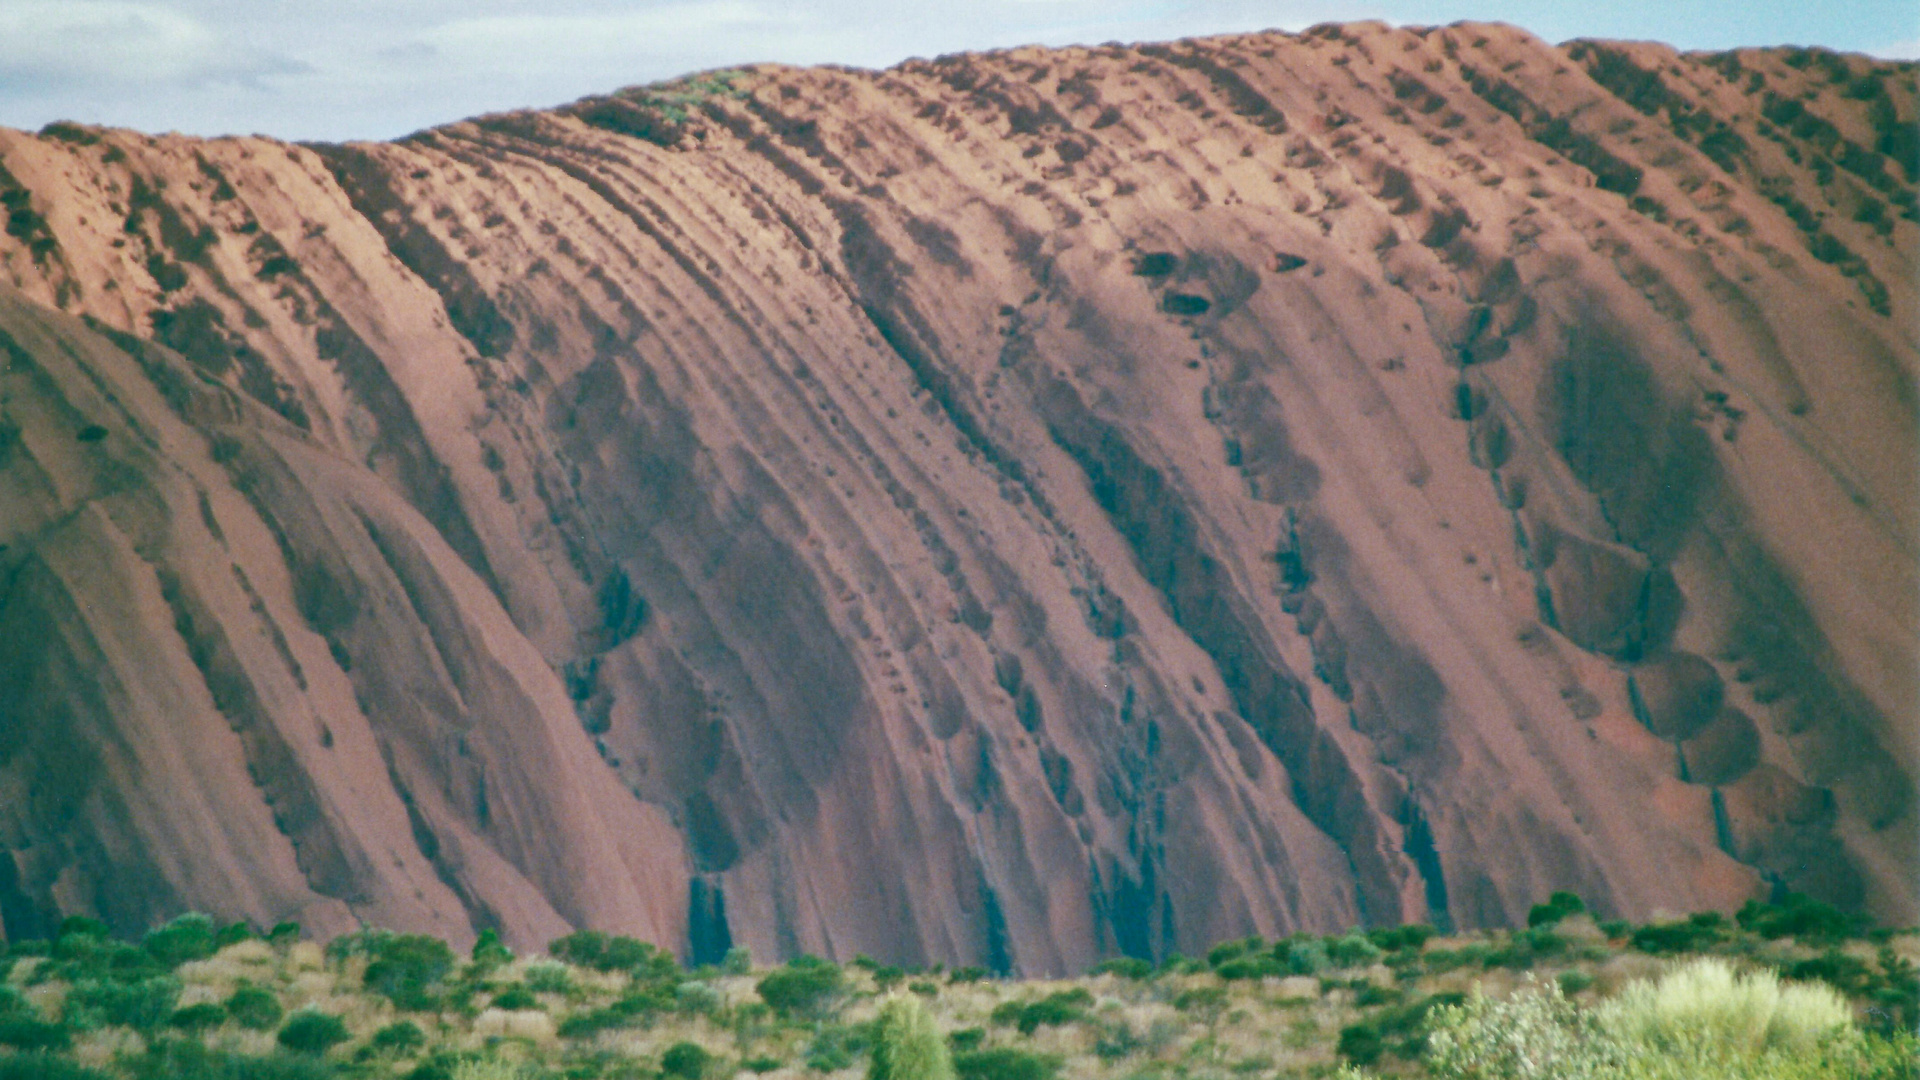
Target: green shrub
{"points": [[1558, 906], [1004, 1063], [178, 1058], [202, 1017], [835, 1046], [1798, 917], [585, 1025], [1060, 1007], [1352, 950], [549, 978], [1233, 950], [738, 961], [401, 1038], [1533, 1035], [515, 998], [1127, 967], [405, 968], [142, 1004], [685, 1060], [312, 1032], [966, 1039], [762, 1064], [805, 985], [81, 926], [251, 1006], [906, 1045], [28, 1034], [1303, 956], [592, 949], [1573, 982], [1412, 937], [1361, 1043], [1401, 1029], [39, 1066], [1847, 974], [1206, 1000], [489, 951], [189, 937], [1695, 934]]}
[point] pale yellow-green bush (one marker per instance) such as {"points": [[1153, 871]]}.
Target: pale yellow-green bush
{"points": [[1707, 1008], [1702, 1021], [907, 1045]]}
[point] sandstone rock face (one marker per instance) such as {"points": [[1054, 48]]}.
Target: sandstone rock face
{"points": [[1009, 509]]}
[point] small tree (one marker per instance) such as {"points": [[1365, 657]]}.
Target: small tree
{"points": [[906, 1044]]}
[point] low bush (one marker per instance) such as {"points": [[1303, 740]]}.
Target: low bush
{"points": [[1060, 1007], [401, 1038], [201, 1017], [189, 937], [1127, 967], [38, 1066], [1558, 906], [312, 1032], [1352, 950], [1412, 937], [592, 949], [1798, 917], [30, 1034], [803, 986], [686, 1060], [408, 967], [836, 1046], [515, 998], [1004, 1063], [142, 1004], [254, 1007], [1695, 934]]}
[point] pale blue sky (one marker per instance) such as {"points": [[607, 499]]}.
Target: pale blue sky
{"points": [[341, 69]]}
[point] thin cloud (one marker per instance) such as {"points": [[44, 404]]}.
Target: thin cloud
{"points": [[596, 40], [93, 44]]}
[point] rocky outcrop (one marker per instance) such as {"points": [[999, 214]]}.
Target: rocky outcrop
{"points": [[1007, 509]]}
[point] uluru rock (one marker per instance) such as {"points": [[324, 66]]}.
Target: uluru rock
{"points": [[769, 509], [1767, 807], [1724, 750], [1675, 694]]}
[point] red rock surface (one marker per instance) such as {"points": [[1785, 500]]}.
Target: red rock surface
{"points": [[1008, 509]]}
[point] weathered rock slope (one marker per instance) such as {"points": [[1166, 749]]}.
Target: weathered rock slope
{"points": [[1007, 509]]}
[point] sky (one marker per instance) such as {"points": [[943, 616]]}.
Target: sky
{"points": [[335, 70]]}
